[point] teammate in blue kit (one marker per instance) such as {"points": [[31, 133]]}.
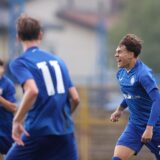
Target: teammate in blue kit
{"points": [[7, 108], [141, 96], [48, 101]]}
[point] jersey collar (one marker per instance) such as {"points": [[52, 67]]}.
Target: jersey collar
{"points": [[31, 49], [135, 66]]}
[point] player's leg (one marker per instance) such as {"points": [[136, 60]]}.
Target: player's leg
{"points": [[128, 144], [154, 148], [58, 147], [5, 144], [26, 152], [45, 148], [122, 153], [154, 145]]}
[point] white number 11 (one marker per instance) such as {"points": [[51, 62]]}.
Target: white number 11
{"points": [[48, 79]]}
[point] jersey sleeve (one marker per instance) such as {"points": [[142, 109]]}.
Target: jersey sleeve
{"points": [[10, 92], [124, 104], [155, 110], [67, 76], [147, 81], [20, 71], [70, 83]]}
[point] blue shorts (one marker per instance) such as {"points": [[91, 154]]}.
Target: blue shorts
{"points": [[131, 138], [50, 147], [5, 144]]}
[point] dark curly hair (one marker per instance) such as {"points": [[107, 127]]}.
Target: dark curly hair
{"points": [[132, 43]]}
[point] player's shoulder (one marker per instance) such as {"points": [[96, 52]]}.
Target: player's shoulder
{"points": [[120, 72], [12, 64], [51, 55], [17, 61], [143, 70], [8, 81], [57, 58]]}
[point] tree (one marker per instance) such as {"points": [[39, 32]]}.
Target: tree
{"points": [[141, 17]]}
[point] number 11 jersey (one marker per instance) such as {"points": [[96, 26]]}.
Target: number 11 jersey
{"points": [[51, 113]]}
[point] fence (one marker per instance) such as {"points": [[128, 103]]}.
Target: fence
{"points": [[96, 135]]}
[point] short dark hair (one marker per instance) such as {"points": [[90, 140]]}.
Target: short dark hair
{"points": [[132, 43], [1, 62], [28, 28]]}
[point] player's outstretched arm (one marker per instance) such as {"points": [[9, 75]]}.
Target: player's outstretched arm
{"points": [[7, 104], [74, 98]]}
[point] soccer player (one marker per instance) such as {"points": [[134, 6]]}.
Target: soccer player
{"points": [[141, 96], [49, 99], [7, 108]]}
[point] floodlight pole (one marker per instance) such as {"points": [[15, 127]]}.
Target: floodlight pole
{"points": [[102, 45], [16, 7]]}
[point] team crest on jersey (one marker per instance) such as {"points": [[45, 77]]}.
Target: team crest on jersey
{"points": [[132, 80], [1, 91]]}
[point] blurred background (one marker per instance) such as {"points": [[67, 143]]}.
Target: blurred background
{"points": [[85, 33]]}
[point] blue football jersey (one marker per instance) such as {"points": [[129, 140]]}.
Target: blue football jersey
{"points": [[51, 113], [7, 91], [135, 86]]}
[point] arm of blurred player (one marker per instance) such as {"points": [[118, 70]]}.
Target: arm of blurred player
{"points": [[28, 99], [74, 98], [115, 116], [10, 106]]}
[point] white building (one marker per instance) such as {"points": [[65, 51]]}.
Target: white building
{"points": [[75, 38]]}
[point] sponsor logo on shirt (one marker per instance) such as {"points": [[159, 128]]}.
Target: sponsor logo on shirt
{"points": [[127, 96]]}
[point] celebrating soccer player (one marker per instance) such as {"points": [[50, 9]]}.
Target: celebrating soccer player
{"points": [[141, 97]]}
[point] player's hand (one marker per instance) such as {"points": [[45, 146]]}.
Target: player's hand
{"points": [[17, 131], [115, 116], [147, 135]]}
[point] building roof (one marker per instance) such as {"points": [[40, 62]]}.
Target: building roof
{"points": [[85, 19]]}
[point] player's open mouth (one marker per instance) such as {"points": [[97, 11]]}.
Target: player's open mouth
{"points": [[118, 61]]}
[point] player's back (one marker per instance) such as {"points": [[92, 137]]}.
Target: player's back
{"points": [[51, 113]]}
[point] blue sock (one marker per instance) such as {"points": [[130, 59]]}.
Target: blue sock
{"points": [[116, 158]]}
